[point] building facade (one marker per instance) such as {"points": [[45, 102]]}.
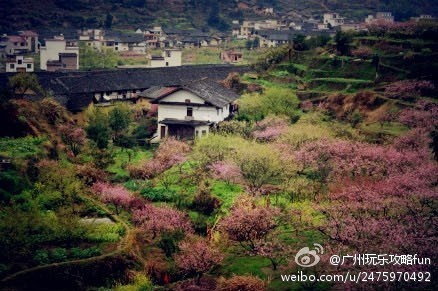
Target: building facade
{"points": [[59, 54], [17, 64]]}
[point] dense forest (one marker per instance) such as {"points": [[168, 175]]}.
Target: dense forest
{"points": [[335, 143]]}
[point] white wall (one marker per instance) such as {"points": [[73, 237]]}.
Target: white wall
{"points": [[204, 113], [23, 65], [51, 51]]}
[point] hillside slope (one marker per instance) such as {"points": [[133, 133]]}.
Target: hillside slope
{"points": [[129, 14]]}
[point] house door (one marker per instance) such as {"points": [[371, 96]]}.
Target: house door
{"points": [[162, 131]]}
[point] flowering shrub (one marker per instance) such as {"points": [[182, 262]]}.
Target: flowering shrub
{"points": [[160, 219], [171, 152], [408, 89], [226, 171], [114, 194], [197, 256]]}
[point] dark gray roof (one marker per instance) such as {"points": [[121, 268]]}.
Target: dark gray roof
{"points": [[280, 36], [126, 38], [76, 88], [157, 91], [191, 123], [212, 92]]}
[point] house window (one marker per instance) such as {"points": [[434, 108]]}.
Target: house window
{"points": [[64, 65], [187, 100], [29, 66], [116, 48], [20, 62], [168, 54], [189, 111], [12, 66], [204, 132], [167, 64]]}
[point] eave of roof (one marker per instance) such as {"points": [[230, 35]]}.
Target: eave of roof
{"points": [[191, 123]]}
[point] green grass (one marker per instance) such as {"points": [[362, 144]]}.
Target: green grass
{"points": [[344, 80], [238, 265], [392, 128], [121, 160], [105, 232], [226, 193], [211, 55], [21, 148]]}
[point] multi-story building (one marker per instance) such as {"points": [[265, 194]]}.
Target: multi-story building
{"points": [[380, 17], [20, 64], [59, 54], [169, 58], [333, 19]]}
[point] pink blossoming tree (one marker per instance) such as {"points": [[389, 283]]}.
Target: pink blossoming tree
{"points": [[196, 256]]}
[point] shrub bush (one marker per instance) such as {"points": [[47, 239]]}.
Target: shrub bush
{"points": [[58, 255], [41, 257], [158, 194], [169, 242], [78, 253]]}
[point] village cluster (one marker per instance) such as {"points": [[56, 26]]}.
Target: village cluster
{"points": [[59, 50]]}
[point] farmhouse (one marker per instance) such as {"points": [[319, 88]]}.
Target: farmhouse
{"points": [[190, 110]]}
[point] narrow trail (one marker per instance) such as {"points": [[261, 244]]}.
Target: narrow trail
{"points": [[125, 244]]}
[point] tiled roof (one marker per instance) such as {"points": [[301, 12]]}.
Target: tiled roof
{"points": [[126, 38], [192, 123], [68, 86], [157, 91], [212, 92]]}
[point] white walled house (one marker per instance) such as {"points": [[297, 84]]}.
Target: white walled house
{"points": [[334, 19], [56, 46], [189, 111], [169, 58], [19, 64]]}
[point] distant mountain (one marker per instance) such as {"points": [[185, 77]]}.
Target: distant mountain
{"points": [[201, 14]]}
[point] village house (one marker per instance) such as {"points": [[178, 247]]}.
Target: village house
{"points": [[191, 110], [59, 54], [423, 17], [333, 19], [169, 58], [93, 38], [231, 56], [273, 38], [23, 43], [78, 89], [121, 42], [15, 45], [16, 64], [154, 36], [31, 40], [380, 17]]}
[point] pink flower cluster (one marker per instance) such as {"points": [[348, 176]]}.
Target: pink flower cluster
{"points": [[408, 89], [160, 219], [114, 194], [226, 171], [171, 152], [270, 128]]}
